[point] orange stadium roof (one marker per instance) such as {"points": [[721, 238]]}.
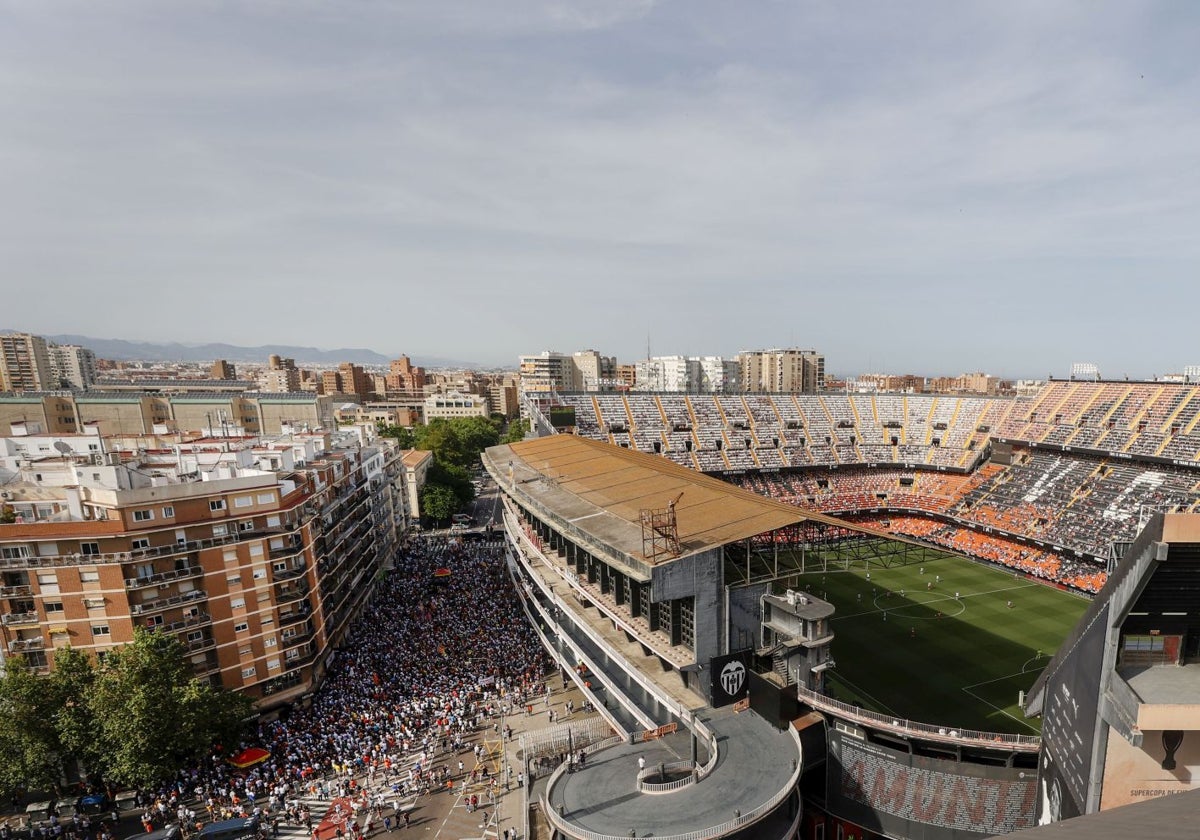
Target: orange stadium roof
{"points": [[601, 489]]}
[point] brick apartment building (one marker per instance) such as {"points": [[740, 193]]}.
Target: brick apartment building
{"points": [[255, 552]]}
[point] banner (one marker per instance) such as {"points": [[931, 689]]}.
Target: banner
{"points": [[730, 677]]}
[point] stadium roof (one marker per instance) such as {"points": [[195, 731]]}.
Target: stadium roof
{"points": [[601, 489], [1164, 816]]}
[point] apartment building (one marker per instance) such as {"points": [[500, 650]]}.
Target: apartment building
{"points": [[138, 413], [25, 363], [72, 366], [781, 371], [256, 553], [455, 404], [687, 374]]}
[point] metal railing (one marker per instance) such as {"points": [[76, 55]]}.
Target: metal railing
{"points": [[21, 618], [930, 731], [163, 577], [664, 770], [167, 603], [18, 645], [15, 591]]}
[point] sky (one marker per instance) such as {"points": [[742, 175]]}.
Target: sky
{"points": [[906, 187]]}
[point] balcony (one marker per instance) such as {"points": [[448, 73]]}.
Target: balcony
{"points": [[166, 603], [280, 684], [297, 638], [294, 616], [293, 594], [287, 549], [22, 645], [163, 577], [16, 591], [290, 574], [12, 619], [194, 645], [190, 621], [301, 659]]}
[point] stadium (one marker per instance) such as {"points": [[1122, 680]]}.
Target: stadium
{"points": [[955, 546]]}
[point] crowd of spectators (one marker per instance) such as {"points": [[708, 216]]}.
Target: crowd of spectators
{"points": [[726, 433], [431, 659]]}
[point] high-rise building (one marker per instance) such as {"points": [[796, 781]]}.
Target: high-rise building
{"points": [[585, 370], [25, 363], [404, 377], [281, 375], [547, 371], [593, 372], [781, 371], [72, 366], [221, 369], [355, 380], [687, 374]]}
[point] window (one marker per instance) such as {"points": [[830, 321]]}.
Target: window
{"points": [[47, 578], [266, 619], [246, 651], [89, 549], [14, 552], [99, 629], [234, 580], [249, 673], [256, 549], [272, 663], [266, 498], [53, 606], [89, 575], [168, 511], [195, 636], [220, 530], [93, 603], [241, 627], [141, 543], [143, 515], [154, 621], [215, 505], [237, 604], [243, 501], [269, 641], [247, 525], [259, 574]]}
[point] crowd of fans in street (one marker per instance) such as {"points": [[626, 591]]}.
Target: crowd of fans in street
{"points": [[431, 660]]}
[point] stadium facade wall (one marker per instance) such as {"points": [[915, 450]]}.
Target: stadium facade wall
{"points": [[913, 797]]}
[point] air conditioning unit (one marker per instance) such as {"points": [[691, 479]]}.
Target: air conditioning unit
{"points": [[98, 459]]}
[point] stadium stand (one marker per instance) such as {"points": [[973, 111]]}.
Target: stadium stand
{"points": [[1088, 460]]}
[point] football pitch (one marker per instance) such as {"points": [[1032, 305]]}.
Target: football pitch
{"points": [[941, 639]]}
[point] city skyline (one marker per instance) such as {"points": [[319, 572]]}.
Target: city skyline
{"points": [[924, 189]]}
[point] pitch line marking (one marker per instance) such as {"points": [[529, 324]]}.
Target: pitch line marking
{"points": [[1001, 711]]}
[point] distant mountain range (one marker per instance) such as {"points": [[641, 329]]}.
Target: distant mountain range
{"points": [[146, 351]]}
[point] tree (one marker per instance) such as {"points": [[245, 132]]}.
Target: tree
{"points": [[405, 437], [438, 502], [153, 715], [30, 755], [516, 431], [70, 687]]}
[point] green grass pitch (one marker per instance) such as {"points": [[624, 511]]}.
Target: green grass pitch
{"points": [[936, 640]]}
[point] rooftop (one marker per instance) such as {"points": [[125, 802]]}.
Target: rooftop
{"points": [[601, 490]]}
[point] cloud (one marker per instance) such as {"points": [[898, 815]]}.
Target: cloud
{"points": [[579, 173]]}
